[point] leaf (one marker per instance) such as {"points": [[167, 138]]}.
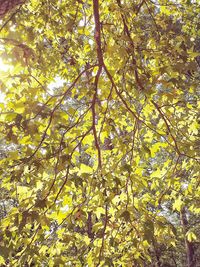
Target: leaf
{"points": [[99, 211], [126, 215], [191, 236], [156, 147], [85, 169], [2, 261], [178, 203]]}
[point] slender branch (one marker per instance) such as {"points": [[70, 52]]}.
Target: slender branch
{"points": [[62, 186], [140, 6], [152, 17], [97, 36], [94, 117], [55, 108], [103, 234], [167, 125], [56, 165], [105, 113], [8, 20], [126, 29]]}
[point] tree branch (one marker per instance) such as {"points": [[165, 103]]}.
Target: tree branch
{"points": [[97, 36]]}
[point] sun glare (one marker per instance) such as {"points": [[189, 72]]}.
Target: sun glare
{"points": [[4, 68], [58, 82], [2, 97]]}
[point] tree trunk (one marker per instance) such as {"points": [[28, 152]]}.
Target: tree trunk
{"points": [[157, 254], [7, 5], [189, 246]]}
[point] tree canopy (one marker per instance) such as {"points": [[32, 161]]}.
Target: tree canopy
{"points": [[99, 149]]}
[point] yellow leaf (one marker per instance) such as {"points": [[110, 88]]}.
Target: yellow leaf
{"points": [[60, 216], [191, 236], [193, 128], [177, 204], [99, 211], [85, 169], [87, 240], [156, 147], [2, 261], [22, 190]]}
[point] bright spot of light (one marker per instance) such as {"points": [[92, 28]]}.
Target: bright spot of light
{"points": [[2, 97], [58, 82], [81, 23], [91, 42], [4, 67], [65, 208]]}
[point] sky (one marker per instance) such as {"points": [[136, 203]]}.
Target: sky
{"points": [[58, 82]]}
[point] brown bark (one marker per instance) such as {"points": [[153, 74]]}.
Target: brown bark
{"points": [[107, 144], [189, 246], [7, 5], [89, 225]]}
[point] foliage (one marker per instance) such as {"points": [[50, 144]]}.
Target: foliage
{"points": [[102, 168]]}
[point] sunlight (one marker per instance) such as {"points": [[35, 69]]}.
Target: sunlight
{"points": [[3, 69], [2, 97], [58, 82]]}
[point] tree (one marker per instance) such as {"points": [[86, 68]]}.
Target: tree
{"points": [[102, 168]]}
